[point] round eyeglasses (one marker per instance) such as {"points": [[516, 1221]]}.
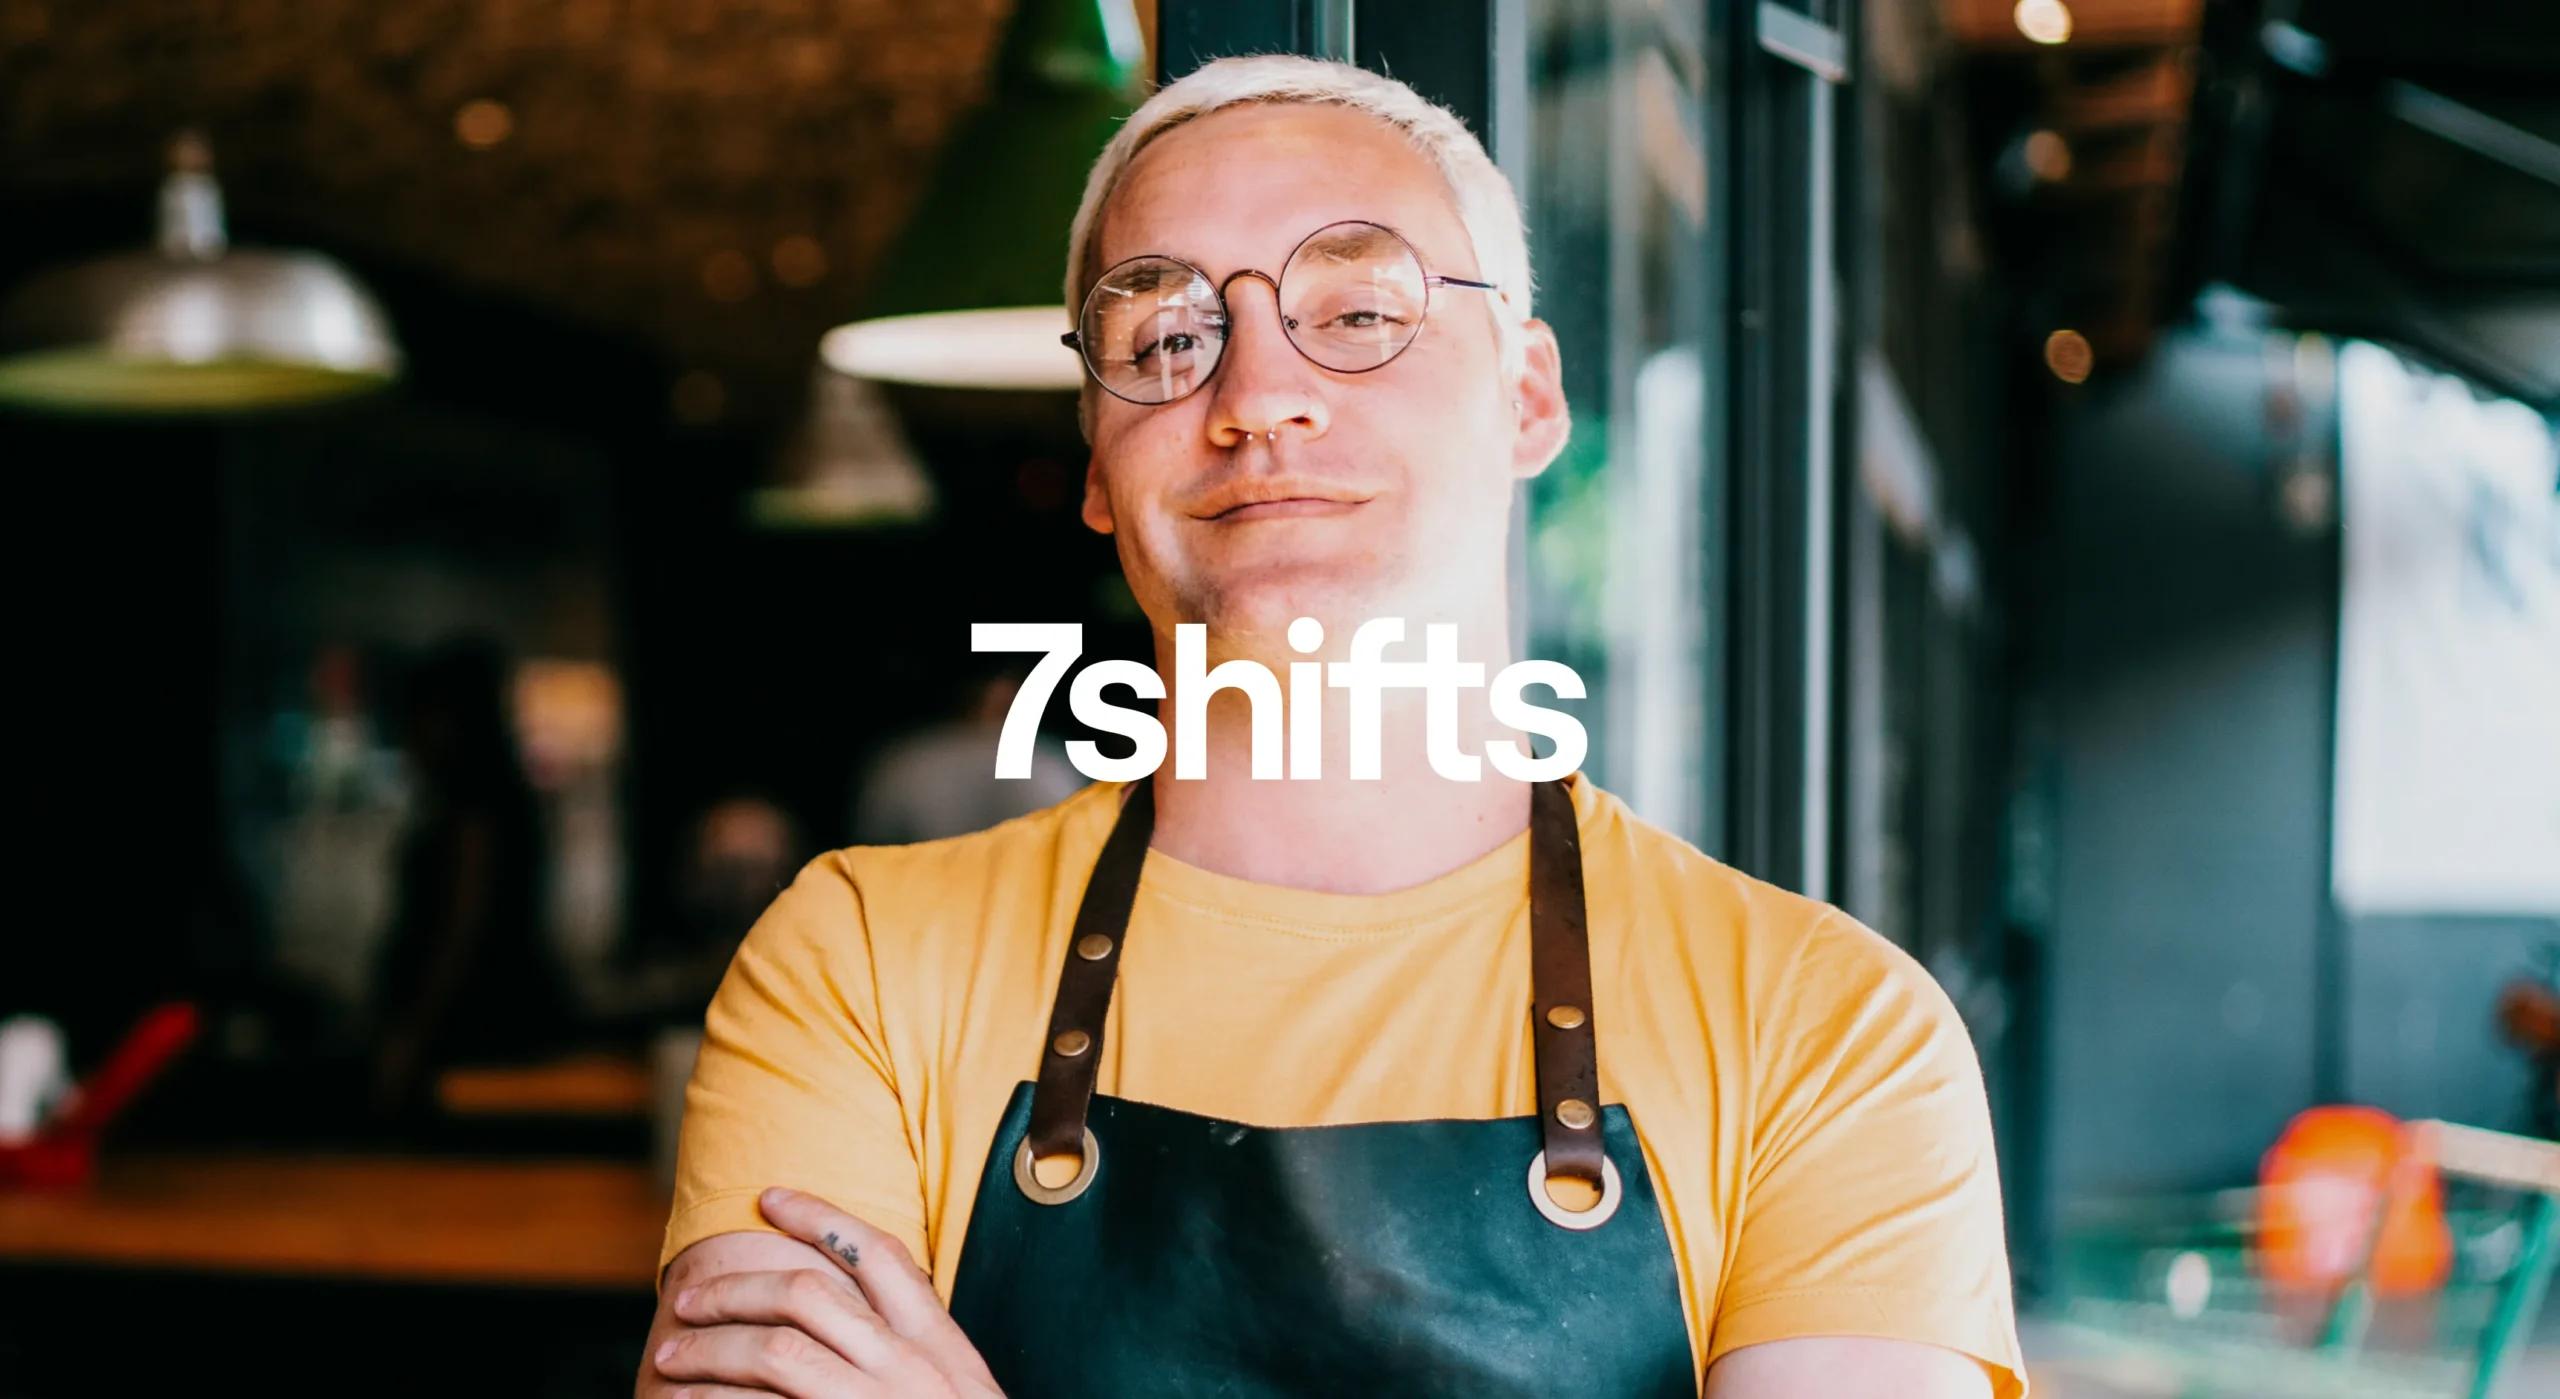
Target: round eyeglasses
{"points": [[1352, 296]]}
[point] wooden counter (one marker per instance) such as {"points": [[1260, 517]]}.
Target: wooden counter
{"points": [[586, 1085], [407, 1219]]}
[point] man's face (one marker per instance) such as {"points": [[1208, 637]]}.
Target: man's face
{"points": [[1280, 489]]}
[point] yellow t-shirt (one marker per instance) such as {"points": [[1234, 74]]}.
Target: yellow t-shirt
{"points": [[1808, 1102]]}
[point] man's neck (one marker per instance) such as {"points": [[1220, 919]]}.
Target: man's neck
{"points": [[1336, 833]]}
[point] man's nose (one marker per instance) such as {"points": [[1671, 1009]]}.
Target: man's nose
{"points": [[1263, 384]]}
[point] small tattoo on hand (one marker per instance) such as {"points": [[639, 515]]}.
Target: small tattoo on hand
{"points": [[852, 1256]]}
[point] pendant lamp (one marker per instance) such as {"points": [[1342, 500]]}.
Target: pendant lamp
{"points": [[968, 297], [847, 465], [192, 325]]}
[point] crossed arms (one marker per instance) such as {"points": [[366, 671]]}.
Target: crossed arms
{"points": [[832, 1308]]}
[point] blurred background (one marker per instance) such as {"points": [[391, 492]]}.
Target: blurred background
{"points": [[501, 483]]}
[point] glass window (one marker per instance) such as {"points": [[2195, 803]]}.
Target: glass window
{"points": [[1610, 155], [2449, 642]]}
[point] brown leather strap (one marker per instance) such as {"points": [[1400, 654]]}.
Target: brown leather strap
{"points": [[1562, 1025], [1564, 1038], [1065, 1088]]}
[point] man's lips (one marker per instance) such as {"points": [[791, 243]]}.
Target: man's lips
{"points": [[1273, 498], [1285, 508]]}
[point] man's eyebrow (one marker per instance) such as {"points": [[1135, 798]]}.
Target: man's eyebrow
{"points": [[1352, 242], [1342, 246], [1151, 277]]}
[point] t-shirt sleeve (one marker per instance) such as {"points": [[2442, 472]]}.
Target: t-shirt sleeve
{"points": [[1871, 1203], [793, 1085]]}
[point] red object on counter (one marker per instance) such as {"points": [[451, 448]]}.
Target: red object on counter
{"points": [[65, 1150]]}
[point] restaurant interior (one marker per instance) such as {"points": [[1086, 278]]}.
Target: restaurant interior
{"points": [[2075, 483]]}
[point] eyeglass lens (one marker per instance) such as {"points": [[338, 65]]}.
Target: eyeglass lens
{"points": [[1352, 298]]}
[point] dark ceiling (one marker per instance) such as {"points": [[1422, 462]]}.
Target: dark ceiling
{"points": [[709, 180], [2391, 170]]}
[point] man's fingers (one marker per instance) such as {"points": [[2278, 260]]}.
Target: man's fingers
{"points": [[774, 1358], [899, 1291], [721, 1391], [822, 1305], [871, 1257]]}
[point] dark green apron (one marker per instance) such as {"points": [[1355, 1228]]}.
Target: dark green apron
{"points": [[1193, 1256]]}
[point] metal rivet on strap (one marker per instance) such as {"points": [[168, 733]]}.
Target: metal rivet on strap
{"points": [[1565, 1017], [1026, 1173], [1611, 1191], [1075, 1042], [1093, 947], [1574, 1113]]}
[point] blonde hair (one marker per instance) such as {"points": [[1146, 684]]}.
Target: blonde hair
{"points": [[1486, 205]]}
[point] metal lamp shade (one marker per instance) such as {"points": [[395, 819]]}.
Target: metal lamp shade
{"points": [[988, 240], [153, 332], [847, 466], [191, 325]]}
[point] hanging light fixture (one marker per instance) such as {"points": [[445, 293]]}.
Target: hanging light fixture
{"points": [[964, 312], [847, 466], [968, 297], [193, 325]]}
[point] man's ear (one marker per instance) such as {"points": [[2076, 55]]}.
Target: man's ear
{"points": [[1545, 420], [1097, 501]]}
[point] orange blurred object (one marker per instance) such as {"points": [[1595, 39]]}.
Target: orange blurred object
{"points": [[2324, 1178], [2530, 1013]]}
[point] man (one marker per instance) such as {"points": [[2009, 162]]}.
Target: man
{"points": [[1403, 1085]]}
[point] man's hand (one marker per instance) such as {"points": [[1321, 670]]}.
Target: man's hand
{"points": [[841, 1312]]}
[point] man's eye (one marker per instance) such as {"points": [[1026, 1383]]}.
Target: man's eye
{"points": [[1178, 343], [1363, 319]]}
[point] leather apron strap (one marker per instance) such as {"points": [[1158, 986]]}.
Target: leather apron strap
{"points": [[1566, 1042], [1067, 1061], [1564, 1037]]}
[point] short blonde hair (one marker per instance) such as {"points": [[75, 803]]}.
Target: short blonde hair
{"points": [[1486, 205]]}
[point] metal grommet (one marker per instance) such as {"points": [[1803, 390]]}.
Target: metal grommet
{"points": [[1610, 1192], [1071, 1044], [1059, 1195], [1565, 1017], [1093, 947], [1575, 1113]]}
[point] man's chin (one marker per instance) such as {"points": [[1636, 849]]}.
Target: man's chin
{"points": [[1251, 614]]}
